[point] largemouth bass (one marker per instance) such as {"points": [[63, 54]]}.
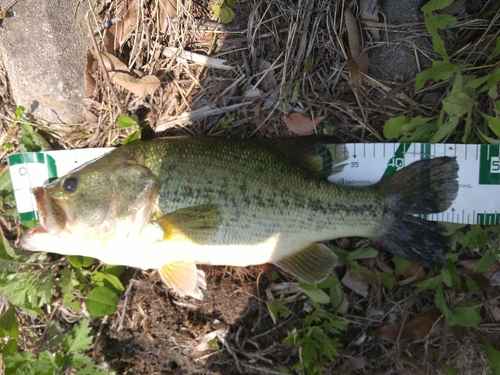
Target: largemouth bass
{"points": [[173, 203]]}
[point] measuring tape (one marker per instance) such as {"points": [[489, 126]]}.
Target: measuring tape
{"points": [[477, 202]]}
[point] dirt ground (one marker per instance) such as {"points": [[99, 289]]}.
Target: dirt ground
{"points": [[268, 45]]}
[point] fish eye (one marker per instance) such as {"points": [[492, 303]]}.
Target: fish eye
{"points": [[70, 184]]}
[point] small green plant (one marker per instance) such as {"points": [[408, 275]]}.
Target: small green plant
{"points": [[30, 139], [464, 102], [223, 11], [66, 355], [130, 122]]}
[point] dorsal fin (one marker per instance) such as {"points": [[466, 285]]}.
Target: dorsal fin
{"points": [[322, 156]]}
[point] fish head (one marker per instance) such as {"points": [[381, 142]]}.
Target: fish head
{"points": [[110, 197]]}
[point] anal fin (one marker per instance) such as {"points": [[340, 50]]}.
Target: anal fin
{"points": [[312, 264], [184, 278]]}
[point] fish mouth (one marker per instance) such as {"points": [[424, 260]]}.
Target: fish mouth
{"points": [[52, 217]]}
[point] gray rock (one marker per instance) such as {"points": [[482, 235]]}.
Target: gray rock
{"points": [[394, 58], [43, 46]]}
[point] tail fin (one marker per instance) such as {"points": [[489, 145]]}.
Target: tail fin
{"points": [[424, 187]]}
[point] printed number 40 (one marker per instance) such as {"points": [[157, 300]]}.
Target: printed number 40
{"points": [[495, 164], [396, 162]]}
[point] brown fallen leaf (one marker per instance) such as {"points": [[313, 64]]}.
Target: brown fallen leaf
{"points": [[300, 124], [354, 283], [366, 8], [123, 28], [414, 329], [167, 8], [412, 275], [352, 34], [139, 86], [88, 80], [112, 63]]}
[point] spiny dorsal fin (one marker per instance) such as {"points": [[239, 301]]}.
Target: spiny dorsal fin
{"points": [[320, 155], [196, 224], [184, 278], [312, 264]]}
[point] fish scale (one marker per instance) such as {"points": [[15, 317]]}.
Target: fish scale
{"points": [[278, 199]]}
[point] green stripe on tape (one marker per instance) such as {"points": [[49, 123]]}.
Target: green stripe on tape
{"points": [[27, 216]]}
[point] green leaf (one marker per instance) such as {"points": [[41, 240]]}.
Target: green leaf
{"points": [[445, 129], [103, 278], [8, 323], [441, 304], [448, 370], [114, 270], [102, 301], [438, 71], [134, 137], [226, 15], [79, 261], [273, 311], [308, 64], [67, 281], [393, 126], [19, 112], [68, 301], [487, 139], [338, 299], [401, 264], [434, 22], [429, 283], [31, 140], [10, 348], [216, 9], [387, 278], [317, 295], [466, 316], [457, 104], [124, 121], [472, 286], [494, 358], [493, 124], [329, 282], [79, 339], [363, 253], [230, 3]]}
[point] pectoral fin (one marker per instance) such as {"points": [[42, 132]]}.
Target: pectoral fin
{"points": [[196, 224], [312, 264], [184, 278]]}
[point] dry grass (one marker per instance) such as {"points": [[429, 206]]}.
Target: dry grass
{"points": [[267, 45]]}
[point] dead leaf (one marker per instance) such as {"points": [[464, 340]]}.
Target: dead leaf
{"points": [[414, 329], [413, 274], [112, 63], [300, 124], [354, 283], [459, 333], [123, 28], [364, 62], [88, 80], [366, 8], [108, 40], [493, 310], [456, 8], [139, 86], [167, 8], [352, 34]]}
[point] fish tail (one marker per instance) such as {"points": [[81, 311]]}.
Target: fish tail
{"points": [[424, 187]]}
